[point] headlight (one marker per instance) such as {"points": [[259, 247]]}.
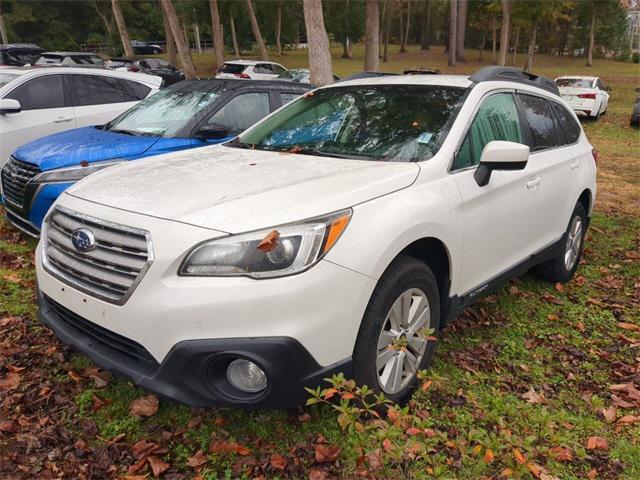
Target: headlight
{"points": [[273, 252], [73, 174]]}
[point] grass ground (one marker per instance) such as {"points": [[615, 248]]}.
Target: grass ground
{"points": [[537, 381]]}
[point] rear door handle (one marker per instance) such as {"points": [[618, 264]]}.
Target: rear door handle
{"points": [[63, 119], [533, 183], [574, 165]]}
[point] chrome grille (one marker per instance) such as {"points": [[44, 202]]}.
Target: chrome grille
{"points": [[111, 269], [15, 176]]}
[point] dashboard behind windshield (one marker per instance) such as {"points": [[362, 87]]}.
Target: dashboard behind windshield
{"points": [[398, 123]]}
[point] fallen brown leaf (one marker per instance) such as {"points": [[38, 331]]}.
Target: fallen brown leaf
{"points": [[158, 465], [278, 462], [561, 454], [269, 242], [144, 406], [534, 397], [597, 443], [197, 460], [327, 454], [10, 382], [609, 413]]}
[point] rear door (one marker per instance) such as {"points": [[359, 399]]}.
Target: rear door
{"points": [[552, 166], [45, 110], [98, 99]]}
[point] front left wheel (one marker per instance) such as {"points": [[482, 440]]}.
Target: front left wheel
{"points": [[392, 344]]}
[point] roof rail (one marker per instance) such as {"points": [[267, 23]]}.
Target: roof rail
{"points": [[510, 74]]}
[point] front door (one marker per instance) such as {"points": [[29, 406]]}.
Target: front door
{"points": [[44, 112], [497, 231]]}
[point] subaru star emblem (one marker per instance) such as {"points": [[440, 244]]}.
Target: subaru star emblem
{"points": [[83, 240]]}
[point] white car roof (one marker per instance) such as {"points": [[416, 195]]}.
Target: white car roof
{"points": [[150, 80], [249, 62], [576, 77], [444, 80]]}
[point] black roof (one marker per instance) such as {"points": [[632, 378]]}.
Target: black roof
{"points": [[20, 46], [511, 74], [238, 84]]}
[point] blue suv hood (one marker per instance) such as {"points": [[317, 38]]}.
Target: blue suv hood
{"points": [[90, 144]]}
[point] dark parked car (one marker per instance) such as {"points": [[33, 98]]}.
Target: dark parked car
{"points": [[152, 66], [19, 54], [145, 48], [71, 59], [635, 115]]}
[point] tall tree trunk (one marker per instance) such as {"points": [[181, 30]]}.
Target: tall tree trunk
{"points": [[494, 58], [592, 38], [279, 29], [318, 40], [196, 34], [453, 31], [504, 32], [426, 27], [462, 27], [106, 19], [407, 29], [515, 44], [122, 28], [183, 48], [255, 28], [371, 36], [170, 42], [483, 43], [234, 39], [381, 29], [218, 35], [401, 32], [532, 47], [385, 54], [3, 30], [346, 41]]}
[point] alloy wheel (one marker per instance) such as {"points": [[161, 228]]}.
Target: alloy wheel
{"points": [[402, 343], [574, 240]]}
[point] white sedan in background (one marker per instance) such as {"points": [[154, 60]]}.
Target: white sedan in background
{"points": [[35, 102], [586, 95], [250, 69]]}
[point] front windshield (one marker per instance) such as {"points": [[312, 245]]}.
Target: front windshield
{"points": [[165, 113], [399, 123], [574, 82], [6, 78]]}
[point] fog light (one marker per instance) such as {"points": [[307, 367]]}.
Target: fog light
{"points": [[246, 376]]}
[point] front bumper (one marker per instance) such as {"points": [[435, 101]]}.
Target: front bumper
{"points": [[193, 372]]}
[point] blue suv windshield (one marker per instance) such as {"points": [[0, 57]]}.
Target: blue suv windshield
{"points": [[165, 113], [399, 123]]}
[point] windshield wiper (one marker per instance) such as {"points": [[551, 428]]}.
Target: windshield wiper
{"points": [[125, 132], [320, 153], [238, 144]]}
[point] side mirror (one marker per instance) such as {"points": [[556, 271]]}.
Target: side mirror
{"points": [[500, 155], [212, 131], [9, 105]]}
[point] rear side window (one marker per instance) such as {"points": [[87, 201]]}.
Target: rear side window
{"points": [[40, 93], [536, 110], [232, 68], [100, 90], [264, 68], [242, 111], [568, 124], [497, 119]]}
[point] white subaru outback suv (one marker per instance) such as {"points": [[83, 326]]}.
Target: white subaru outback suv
{"points": [[334, 236]]}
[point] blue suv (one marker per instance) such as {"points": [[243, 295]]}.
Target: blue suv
{"points": [[189, 114]]}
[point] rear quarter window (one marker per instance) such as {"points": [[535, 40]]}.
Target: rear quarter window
{"points": [[568, 123]]}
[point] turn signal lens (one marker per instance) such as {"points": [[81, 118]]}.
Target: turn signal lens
{"points": [[335, 230]]}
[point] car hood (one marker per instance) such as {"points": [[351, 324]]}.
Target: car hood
{"points": [[236, 190], [90, 144]]}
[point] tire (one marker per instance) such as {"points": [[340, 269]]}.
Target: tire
{"points": [[564, 265], [412, 280]]}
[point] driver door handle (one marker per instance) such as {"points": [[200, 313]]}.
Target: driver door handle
{"points": [[574, 165], [63, 119], [533, 183]]}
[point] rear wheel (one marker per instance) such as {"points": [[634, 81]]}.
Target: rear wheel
{"points": [[564, 265], [392, 344]]}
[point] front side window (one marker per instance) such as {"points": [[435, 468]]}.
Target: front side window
{"points": [[496, 119], [242, 111], [387, 122], [6, 78], [167, 112], [40, 93], [232, 68], [538, 116]]}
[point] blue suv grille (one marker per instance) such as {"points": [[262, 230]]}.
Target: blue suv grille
{"points": [[15, 176]]}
